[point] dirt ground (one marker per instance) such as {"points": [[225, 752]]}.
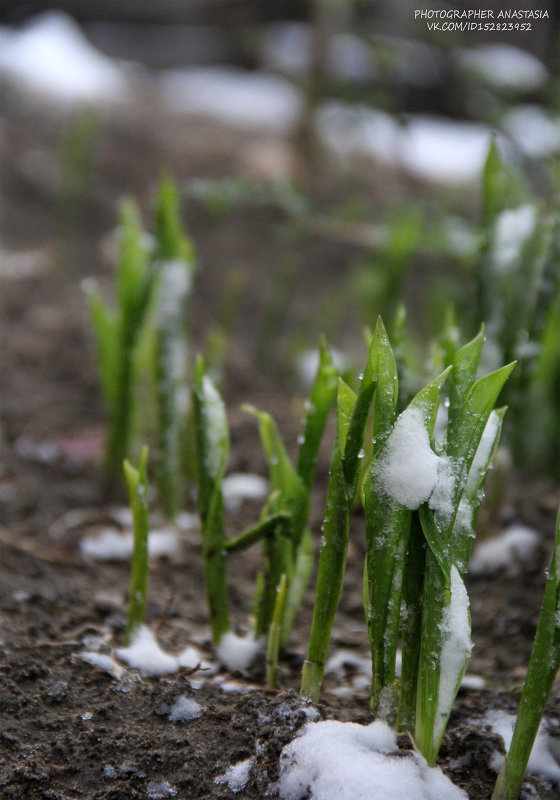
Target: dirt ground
{"points": [[69, 731]]}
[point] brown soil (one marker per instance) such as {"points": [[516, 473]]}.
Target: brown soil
{"points": [[69, 731]]}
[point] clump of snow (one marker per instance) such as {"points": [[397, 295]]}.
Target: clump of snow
{"points": [[191, 657], [358, 131], [533, 131], [407, 469], [243, 486], [457, 646], [541, 761], [237, 653], [504, 67], [512, 548], [236, 776], [184, 709], [103, 662], [159, 790], [234, 97], [347, 761], [53, 57], [111, 544], [513, 228], [429, 148], [145, 654], [444, 152]]}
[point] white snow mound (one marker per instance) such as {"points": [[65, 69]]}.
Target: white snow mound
{"points": [[347, 761], [53, 57]]}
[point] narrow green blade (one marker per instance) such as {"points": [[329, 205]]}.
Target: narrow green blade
{"points": [[319, 403]]}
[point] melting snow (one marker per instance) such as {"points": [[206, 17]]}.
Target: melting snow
{"points": [[429, 148], [347, 761], [512, 548], [541, 761], [513, 228], [52, 56], [236, 776], [533, 131], [237, 653], [504, 67], [184, 709], [104, 662], [234, 97], [145, 654], [408, 467], [111, 544], [243, 486], [457, 645]]}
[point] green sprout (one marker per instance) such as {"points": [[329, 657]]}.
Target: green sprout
{"points": [[117, 331], [212, 447], [420, 499], [142, 341], [137, 483], [282, 527], [543, 667], [174, 261]]}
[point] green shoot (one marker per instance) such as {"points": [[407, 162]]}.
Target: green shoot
{"points": [[174, 258], [543, 667], [116, 333], [212, 446], [445, 637], [352, 416], [137, 484]]}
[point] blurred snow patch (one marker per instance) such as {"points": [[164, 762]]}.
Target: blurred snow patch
{"points": [[502, 66], [542, 760], [428, 148], [357, 762], [243, 486], [52, 56], [510, 550], [234, 97], [111, 544], [287, 47], [533, 130]]}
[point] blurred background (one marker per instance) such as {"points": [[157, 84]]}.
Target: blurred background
{"points": [[329, 156]]}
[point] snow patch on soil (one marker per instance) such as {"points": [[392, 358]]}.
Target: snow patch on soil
{"points": [[184, 709], [111, 544], [510, 550], [541, 761], [234, 97], [236, 776], [238, 487], [347, 761], [145, 654], [237, 653], [53, 57]]}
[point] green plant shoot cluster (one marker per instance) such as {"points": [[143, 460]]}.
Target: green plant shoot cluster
{"points": [[417, 547], [142, 340], [286, 540]]}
